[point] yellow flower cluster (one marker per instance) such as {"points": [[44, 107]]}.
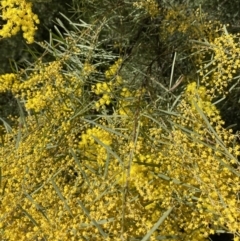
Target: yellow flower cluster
{"points": [[94, 141], [105, 90], [193, 25], [210, 195], [201, 97], [18, 16], [42, 88], [88, 69], [195, 165], [7, 81], [113, 70], [150, 6], [137, 172], [222, 69], [128, 100], [50, 83]]}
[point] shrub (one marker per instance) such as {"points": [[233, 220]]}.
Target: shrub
{"points": [[104, 150]]}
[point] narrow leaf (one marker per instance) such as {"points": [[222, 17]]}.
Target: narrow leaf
{"points": [[61, 196], [108, 149], [38, 207], [29, 216], [93, 220], [157, 224], [6, 125], [79, 165]]}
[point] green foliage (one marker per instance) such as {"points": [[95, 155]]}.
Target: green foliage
{"points": [[118, 137]]}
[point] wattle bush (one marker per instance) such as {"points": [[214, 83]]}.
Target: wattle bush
{"points": [[114, 153]]}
